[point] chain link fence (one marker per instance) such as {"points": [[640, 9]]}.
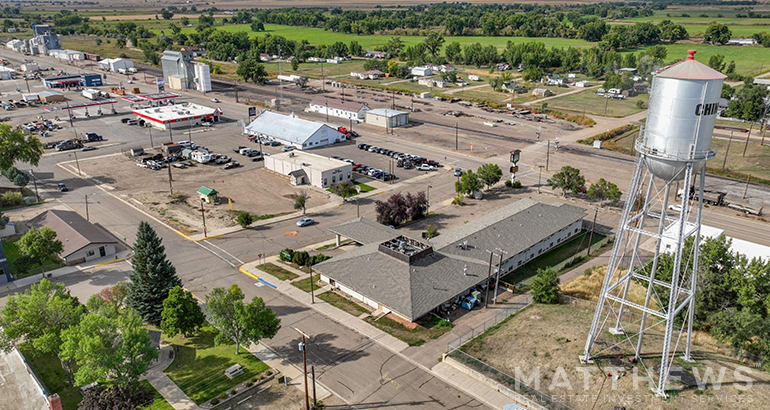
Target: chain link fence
{"points": [[455, 344]]}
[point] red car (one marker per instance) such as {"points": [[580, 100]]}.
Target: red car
{"points": [[234, 164]]}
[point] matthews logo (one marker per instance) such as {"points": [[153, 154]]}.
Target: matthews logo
{"points": [[707, 109]]}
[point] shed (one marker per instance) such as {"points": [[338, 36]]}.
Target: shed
{"points": [[171, 148], [137, 152], [387, 118], [48, 97], [7, 73], [208, 195]]}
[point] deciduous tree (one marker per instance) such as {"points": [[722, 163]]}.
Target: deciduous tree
{"points": [[568, 179], [40, 245], [129, 397], [181, 313], [300, 202], [469, 183], [545, 286], [490, 174], [153, 275], [238, 322], [15, 146], [344, 189], [604, 190]]}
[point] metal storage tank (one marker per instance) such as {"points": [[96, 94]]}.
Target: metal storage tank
{"points": [[684, 102]]}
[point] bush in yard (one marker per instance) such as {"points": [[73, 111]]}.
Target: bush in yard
{"points": [[545, 286], [458, 200], [317, 259], [516, 185], [233, 391], [508, 183], [416, 205], [268, 372], [11, 199], [245, 219], [215, 401], [300, 258], [223, 395], [431, 231]]}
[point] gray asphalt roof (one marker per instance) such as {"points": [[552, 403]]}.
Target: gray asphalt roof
{"points": [[365, 231], [74, 231], [413, 290]]}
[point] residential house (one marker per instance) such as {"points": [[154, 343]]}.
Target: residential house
{"points": [[82, 240], [542, 92], [350, 109]]}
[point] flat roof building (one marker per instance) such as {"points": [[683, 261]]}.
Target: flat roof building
{"points": [[7, 73], [115, 64], [75, 80], [292, 130], [305, 168], [178, 115], [410, 278], [350, 110], [387, 118]]}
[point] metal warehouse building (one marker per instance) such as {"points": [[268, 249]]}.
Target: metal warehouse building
{"points": [[306, 168], [387, 118], [292, 130], [409, 278], [178, 115]]}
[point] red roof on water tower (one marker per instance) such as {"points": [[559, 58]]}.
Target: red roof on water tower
{"points": [[690, 69]]}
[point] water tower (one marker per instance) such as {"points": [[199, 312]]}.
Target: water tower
{"points": [[672, 149]]}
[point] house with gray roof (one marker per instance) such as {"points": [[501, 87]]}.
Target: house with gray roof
{"points": [[347, 109], [82, 240], [409, 277], [292, 130]]}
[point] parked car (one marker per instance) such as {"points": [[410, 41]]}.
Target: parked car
{"points": [[231, 165], [348, 160], [425, 167], [132, 122], [236, 150], [215, 100], [62, 187], [287, 148], [222, 159], [675, 208], [458, 172], [305, 222], [373, 149]]}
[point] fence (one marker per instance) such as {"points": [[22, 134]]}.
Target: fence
{"points": [[531, 394], [455, 344]]}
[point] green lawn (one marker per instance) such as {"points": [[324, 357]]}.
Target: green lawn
{"points": [[12, 252], [341, 302], [198, 368], [304, 284], [159, 403], [52, 375], [748, 60], [277, 271], [553, 257], [586, 101], [430, 328]]}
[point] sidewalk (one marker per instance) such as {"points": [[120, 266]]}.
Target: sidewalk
{"points": [[293, 373], [463, 382], [170, 391], [64, 271]]}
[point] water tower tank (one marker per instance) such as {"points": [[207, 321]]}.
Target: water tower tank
{"points": [[684, 101]]}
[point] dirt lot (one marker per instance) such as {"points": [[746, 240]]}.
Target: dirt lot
{"points": [[549, 338], [252, 188]]}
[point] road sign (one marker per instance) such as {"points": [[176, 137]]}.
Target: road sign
{"points": [[161, 83], [252, 111], [515, 154], [514, 169]]}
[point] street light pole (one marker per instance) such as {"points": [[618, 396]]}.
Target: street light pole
{"points": [[87, 217], [547, 155], [304, 364], [34, 182], [312, 296], [539, 176], [170, 187], [77, 163], [429, 187], [151, 143]]}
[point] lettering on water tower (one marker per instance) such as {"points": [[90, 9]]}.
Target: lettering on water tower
{"points": [[707, 109]]}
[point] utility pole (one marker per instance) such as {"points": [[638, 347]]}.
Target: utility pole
{"points": [[34, 182], [87, 218], [591, 236], [539, 177], [312, 372], [170, 187], [499, 272], [327, 109], [152, 145], [203, 216], [547, 155], [27, 81], [170, 137], [312, 296], [280, 73], [304, 364], [393, 99], [727, 151], [751, 127], [746, 190], [323, 78], [489, 275], [429, 187], [77, 163], [457, 140]]}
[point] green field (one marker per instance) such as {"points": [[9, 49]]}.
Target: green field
{"points": [[586, 101], [748, 60], [199, 365]]}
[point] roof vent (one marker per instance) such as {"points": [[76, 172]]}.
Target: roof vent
{"points": [[691, 54]]}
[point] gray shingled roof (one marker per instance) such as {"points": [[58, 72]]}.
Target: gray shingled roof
{"points": [[74, 231], [365, 231], [414, 290]]}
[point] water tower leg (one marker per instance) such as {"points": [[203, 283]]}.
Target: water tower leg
{"points": [[694, 279]]}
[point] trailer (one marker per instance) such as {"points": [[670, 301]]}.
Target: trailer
{"points": [[745, 207], [715, 198]]}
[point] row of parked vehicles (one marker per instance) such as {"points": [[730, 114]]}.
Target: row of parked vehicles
{"points": [[367, 170], [404, 160]]}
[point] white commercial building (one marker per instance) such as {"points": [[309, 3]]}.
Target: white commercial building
{"points": [[387, 118], [6, 73], [306, 168], [750, 249], [15, 45], [66, 55], [351, 110], [422, 71], [202, 77], [292, 130], [116, 64], [179, 115]]}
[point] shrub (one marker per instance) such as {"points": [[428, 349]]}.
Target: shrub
{"points": [[11, 198], [233, 391], [214, 401], [458, 200], [223, 396], [249, 384], [431, 231], [268, 373], [22, 265], [608, 135], [258, 378], [508, 183], [545, 286], [301, 258], [517, 185], [245, 219]]}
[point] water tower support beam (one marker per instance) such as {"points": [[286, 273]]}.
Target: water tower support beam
{"points": [[694, 280]]}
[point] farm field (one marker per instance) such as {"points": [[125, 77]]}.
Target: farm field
{"points": [[589, 103], [748, 60]]}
